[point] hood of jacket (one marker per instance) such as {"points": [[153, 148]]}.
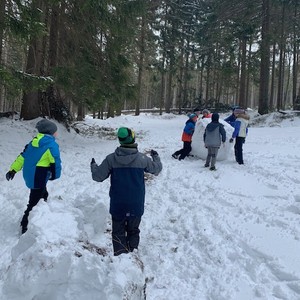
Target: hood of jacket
{"points": [[126, 155], [212, 126], [190, 121], [42, 140]]}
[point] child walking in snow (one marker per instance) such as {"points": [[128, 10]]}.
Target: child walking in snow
{"points": [[40, 161], [187, 134], [213, 135], [239, 134], [126, 167]]}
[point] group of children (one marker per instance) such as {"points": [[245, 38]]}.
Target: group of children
{"points": [[215, 134], [40, 162]]}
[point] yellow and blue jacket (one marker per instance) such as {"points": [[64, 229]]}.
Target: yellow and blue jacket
{"points": [[40, 161]]}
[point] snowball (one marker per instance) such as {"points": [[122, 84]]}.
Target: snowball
{"points": [[198, 148]]}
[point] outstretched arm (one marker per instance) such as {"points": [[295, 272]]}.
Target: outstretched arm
{"points": [[154, 166], [101, 172]]}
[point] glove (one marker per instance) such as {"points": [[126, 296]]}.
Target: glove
{"points": [[153, 153], [93, 161], [231, 140], [10, 175]]}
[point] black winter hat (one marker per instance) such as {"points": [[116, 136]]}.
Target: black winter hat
{"points": [[215, 117], [45, 126]]}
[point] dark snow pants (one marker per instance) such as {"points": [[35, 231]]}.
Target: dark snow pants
{"points": [[125, 234], [185, 151], [34, 198], [238, 149]]}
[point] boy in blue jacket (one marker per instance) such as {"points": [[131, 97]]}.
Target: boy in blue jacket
{"points": [[40, 161], [187, 134], [126, 168]]}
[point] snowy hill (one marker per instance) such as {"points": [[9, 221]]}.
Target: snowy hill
{"points": [[232, 234]]}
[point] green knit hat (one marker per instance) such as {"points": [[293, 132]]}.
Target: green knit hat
{"points": [[126, 136]]}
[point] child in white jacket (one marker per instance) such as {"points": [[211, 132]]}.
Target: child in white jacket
{"points": [[239, 134]]}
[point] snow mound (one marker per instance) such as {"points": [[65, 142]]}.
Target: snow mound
{"points": [[198, 148], [56, 258], [277, 119]]}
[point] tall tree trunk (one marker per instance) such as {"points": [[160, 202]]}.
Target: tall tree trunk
{"points": [[287, 80], [80, 112], [31, 100], [272, 89], [180, 79], [201, 82], [162, 92], [237, 94], [265, 59], [2, 25], [141, 66], [247, 102], [281, 61], [295, 56], [169, 91], [207, 92], [50, 105], [242, 93], [110, 110], [162, 69], [169, 95], [185, 72]]}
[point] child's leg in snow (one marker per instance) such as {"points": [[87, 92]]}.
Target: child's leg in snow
{"points": [[238, 148], [178, 152], [119, 236], [34, 198], [208, 157], [133, 232], [214, 153], [187, 148]]}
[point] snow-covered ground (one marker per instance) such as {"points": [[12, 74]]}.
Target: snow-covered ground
{"points": [[230, 234]]}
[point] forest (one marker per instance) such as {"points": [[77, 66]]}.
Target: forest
{"points": [[66, 58]]}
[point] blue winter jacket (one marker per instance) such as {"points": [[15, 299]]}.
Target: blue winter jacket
{"points": [[126, 167], [231, 119], [40, 161], [188, 131]]}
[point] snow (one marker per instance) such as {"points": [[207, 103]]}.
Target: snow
{"points": [[230, 234]]}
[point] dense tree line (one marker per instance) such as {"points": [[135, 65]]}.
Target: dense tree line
{"points": [[62, 58]]}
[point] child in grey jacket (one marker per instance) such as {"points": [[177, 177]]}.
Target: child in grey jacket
{"points": [[214, 134]]}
